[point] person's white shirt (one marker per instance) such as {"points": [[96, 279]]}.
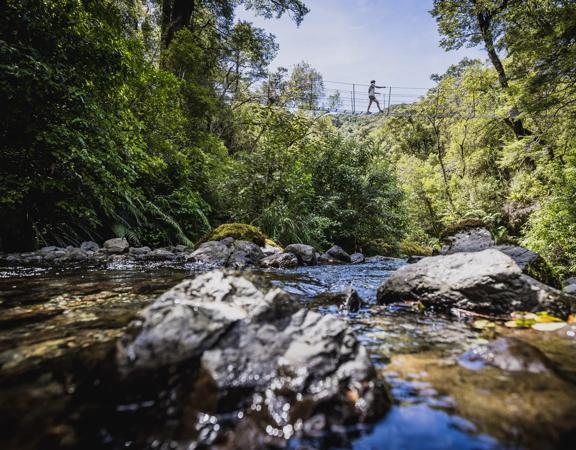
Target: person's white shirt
{"points": [[372, 89]]}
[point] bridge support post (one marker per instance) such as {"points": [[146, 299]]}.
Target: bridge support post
{"points": [[353, 99], [389, 97]]}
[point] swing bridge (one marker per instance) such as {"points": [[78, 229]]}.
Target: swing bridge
{"points": [[341, 98]]}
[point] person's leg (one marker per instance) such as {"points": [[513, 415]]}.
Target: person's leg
{"points": [[369, 104], [378, 105]]}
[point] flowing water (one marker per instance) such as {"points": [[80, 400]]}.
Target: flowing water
{"points": [[58, 329]]}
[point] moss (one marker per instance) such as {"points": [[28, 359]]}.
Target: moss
{"points": [[414, 249], [540, 270], [380, 247], [238, 231], [274, 244], [463, 225]]}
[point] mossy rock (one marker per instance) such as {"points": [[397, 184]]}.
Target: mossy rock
{"points": [[274, 244], [414, 249], [240, 231], [464, 225], [380, 247]]}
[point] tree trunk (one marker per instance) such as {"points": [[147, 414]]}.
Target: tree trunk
{"points": [[176, 14], [484, 22]]}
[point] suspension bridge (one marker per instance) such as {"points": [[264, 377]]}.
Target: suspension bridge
{"points": [[337, 97]]}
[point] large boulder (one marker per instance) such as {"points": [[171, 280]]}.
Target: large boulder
{"points": [[228, 253], [475, 239], [336, 252], [485, 282], [279, 261], [212, 253], [116, 246], [238, 231], [531, 263], [306, 254], [257, 347], [244, 254], [468, 240]]}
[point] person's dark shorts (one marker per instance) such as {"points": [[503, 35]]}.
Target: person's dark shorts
{"points": [[372, 97]]}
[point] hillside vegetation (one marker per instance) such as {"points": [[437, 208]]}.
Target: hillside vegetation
{"points": [[159, 121]]}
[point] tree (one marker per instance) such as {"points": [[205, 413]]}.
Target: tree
{"points": [[179, 14], [305, 86], [474, 22]]}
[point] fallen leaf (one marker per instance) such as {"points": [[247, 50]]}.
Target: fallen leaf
{"points": [[482, 324], [549, 326]]}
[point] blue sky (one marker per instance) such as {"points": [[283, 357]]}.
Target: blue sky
{"points": [[393, 41]]}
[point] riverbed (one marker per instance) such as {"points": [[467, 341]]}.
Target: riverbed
{"points": [[58, 328]]}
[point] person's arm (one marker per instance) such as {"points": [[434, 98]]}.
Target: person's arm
{"points": [[381, 87]]}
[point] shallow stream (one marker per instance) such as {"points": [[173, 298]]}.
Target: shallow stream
{"points": [[58, 329]]}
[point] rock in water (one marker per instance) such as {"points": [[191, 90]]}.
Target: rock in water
{"points": [[486, 282], [357, 258], [479, 238], [472, 240], [116, 245], [228, 253], [257, 344], [509, 354], [89, 246], [305, 253], [338, 254], [279, 261], [212, 253]]}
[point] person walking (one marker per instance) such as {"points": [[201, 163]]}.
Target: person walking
{"points": [[372, 95]]}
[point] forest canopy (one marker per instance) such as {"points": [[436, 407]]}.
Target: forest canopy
{"points": [[159, 121]]}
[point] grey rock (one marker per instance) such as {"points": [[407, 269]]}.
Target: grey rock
{"points": [[569, 281], [510, 354], [269, 250], [255, 344], [48, 250], [325, 258], [244, 254], [570, 289], [212, 253], [279, 261], [180, 248], [228, 240], [305, 253], [473, 240], [160, 254], [414, 259], [75, 254], [336, 252], [89, 246], [116, 246], [357, 258], [486, 282], [346, 301], [522, 256], [139, 251]]}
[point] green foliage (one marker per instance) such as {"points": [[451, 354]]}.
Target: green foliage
{"points": [[410, 249], [238, 231], [300, 180]]}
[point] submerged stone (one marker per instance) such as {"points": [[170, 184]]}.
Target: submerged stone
{"points": [[510, 354]]}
